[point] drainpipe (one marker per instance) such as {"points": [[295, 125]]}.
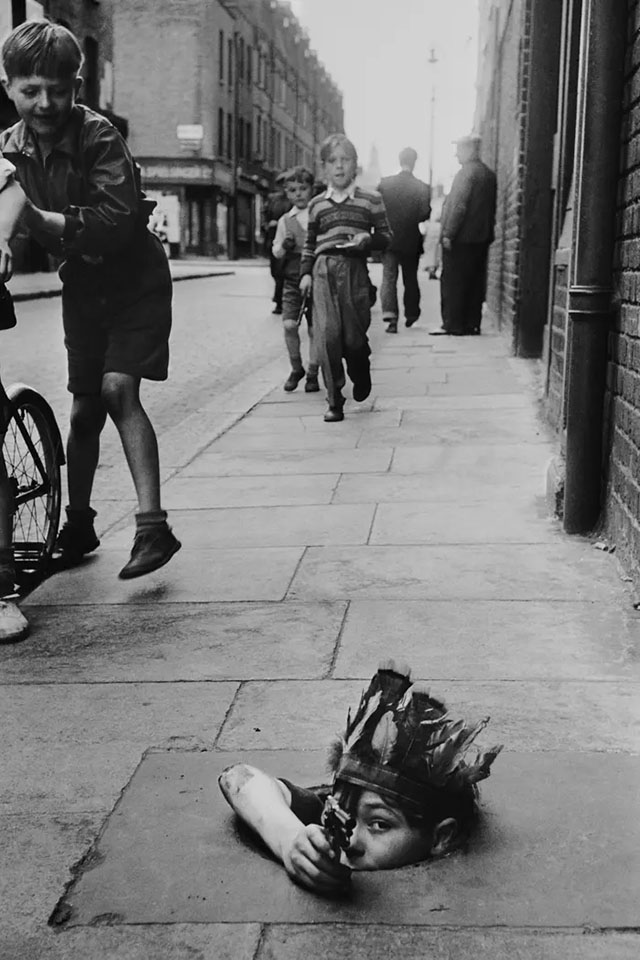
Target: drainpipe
{"points": [[600, 85]]}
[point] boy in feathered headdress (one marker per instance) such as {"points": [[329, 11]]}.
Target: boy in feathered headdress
{"points": [[403, 790]]}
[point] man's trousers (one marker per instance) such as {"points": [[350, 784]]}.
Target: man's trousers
{"points": [[408, 264], [463, 285]]}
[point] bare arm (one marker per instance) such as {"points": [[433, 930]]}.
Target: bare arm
{"points": [[264, 804], [12, 204]]}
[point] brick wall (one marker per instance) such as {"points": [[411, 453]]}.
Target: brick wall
{"points": [[501, 119], [623, 377]]}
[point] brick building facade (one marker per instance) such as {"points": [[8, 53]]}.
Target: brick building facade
{"points": [[559, 109], [220, 96]]}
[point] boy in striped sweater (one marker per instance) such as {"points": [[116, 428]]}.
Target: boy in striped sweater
{"points": [[287, 249], [345, 223]]}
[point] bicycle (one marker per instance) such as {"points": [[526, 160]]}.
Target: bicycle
{"points": [[33, 455]]}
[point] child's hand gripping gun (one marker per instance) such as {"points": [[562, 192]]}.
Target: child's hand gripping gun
{"points": [[337, 825]]}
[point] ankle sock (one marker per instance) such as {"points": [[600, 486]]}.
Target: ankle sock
{"points": [[150, 519], [81, 518]]}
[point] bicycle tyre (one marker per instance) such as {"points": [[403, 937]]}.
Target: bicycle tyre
{"points": [[37, 498]]}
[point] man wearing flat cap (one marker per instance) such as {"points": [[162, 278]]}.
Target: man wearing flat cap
{"points": [[467, 231]]}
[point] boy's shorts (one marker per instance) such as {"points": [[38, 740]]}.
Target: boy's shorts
{"points": [[117, 317]]}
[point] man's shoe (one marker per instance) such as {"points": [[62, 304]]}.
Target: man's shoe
{"points": [[362, 388], [311, 384], [334, 415], [293, 380], [77, 537], [392, 326], [440, 332], [13, 626], [152, 548], [409, 322], [277, 309]]}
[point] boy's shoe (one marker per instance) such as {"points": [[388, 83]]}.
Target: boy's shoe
{"points": [[409, 321], [311, 384], [392, 326], [362, 387], [13, 626], [152, 548], [277, 309], [293, 380], [334, 415], [77, 537]]}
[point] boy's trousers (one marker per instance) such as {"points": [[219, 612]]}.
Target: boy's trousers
{"points": [[341, 318]]}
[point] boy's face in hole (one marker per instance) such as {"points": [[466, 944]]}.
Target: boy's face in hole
{"points": [[299, 194], [340, 168], [383, 837], [43, 103]]}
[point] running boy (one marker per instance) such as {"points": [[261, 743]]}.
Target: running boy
{"points": [[402, 790], [345, 223], [287, 248], [85, 206]]}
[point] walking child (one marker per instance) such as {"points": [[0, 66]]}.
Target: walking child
{"points": [[287, 248], [404, 790], [345, 223], [84, 204]]}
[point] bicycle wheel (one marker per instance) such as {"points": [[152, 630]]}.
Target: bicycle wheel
{"points": [[33, 455]]}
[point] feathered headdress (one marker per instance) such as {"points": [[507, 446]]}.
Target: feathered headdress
{"points": [[402, 743]]}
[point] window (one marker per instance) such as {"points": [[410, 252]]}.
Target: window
{"points": [[240, 136], [221, 56], [259, 135], [248, 139], [229, 134], [249, 64], [220, 132], [230, 61], [240, 60]]}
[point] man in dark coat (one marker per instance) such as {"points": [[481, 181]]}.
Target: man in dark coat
{"points": [[408, 203], [467, 231]]}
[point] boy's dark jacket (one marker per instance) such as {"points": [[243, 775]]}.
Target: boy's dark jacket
{"points": [[91, 177]]}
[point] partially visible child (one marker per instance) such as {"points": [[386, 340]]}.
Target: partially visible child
{"points": [[85, 205], [404, 790], [287, 248], [13, 625], [345, 224]]}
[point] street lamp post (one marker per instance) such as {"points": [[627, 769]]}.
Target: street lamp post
{"points": [[432, 61]]}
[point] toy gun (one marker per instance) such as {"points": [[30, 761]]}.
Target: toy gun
{"points": [[337, 825], [304, 306]]}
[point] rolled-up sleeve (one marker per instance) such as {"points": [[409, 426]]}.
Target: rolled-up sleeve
{"points": [[107, 223], [7, 171]]}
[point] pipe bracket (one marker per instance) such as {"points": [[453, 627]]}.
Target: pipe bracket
{"points": [[590, 302]]}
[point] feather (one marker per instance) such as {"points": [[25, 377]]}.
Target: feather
{"points": [[481, 769], [384, 738], [335, 753]]}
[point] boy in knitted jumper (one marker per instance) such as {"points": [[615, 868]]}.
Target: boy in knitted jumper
{"points": [[345, 223], [287, 248]]}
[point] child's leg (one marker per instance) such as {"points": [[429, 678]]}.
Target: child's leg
{"points": [[327, 325], [88, 416], [7, 570], [154, 544], [121, 398], [314, 363], [356, 313], [291, 302]]}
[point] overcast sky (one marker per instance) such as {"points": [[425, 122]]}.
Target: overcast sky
{"points": [[377, 52]]}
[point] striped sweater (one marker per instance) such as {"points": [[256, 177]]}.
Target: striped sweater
{"points": [[332, 223]]}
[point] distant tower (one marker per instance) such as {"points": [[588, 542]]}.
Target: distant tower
{"points": [[371, 175]]}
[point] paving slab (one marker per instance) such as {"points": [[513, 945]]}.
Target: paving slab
{"points": [[246, 441], [204, 641], [380, 942], [464, 385], [549, 844], [450, 434], [525, 715], [77, 751], [453, 522], [485, 639], [200, 492], [286, 462], [193, 576], [562, 571], [485, 462], [266, 526], [423, 487], [507, 401], [211, 941]]}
